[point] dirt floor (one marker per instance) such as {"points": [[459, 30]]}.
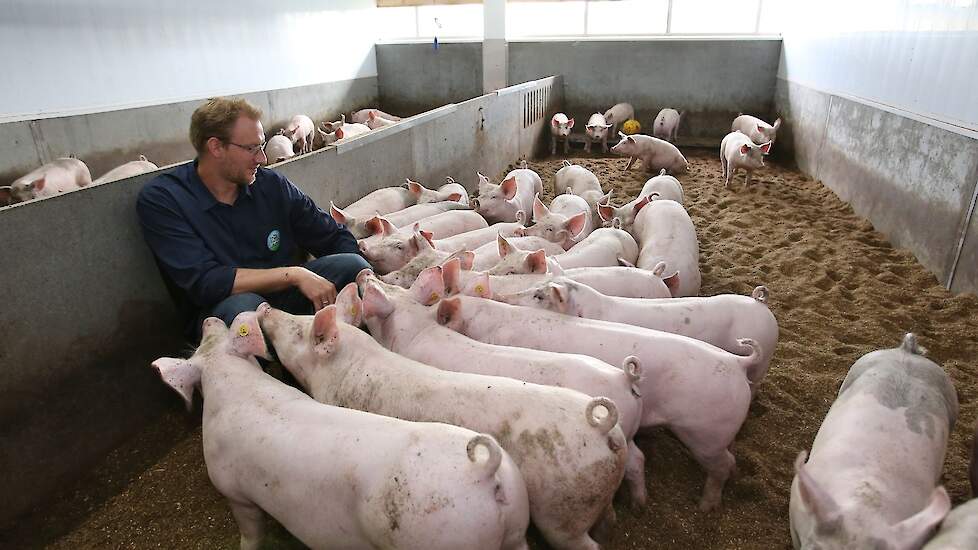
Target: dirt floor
{"points": [[838, 290]]}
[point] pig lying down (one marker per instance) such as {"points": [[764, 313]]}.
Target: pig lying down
{"points": [[335, 477], [278, 148], [58, 176], [872, 478], [127, 170], [568, 446]]}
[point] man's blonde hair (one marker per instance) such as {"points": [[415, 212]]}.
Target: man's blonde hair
{"points": [[216, 117]]}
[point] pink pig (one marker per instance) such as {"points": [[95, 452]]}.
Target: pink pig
{"points": [[267, 444], [566, 222], [654, 153], [700, 392], [603, 247], [505, 202], [665, 233], [489, 255], [58, 176], [451, 191], [560, 129], [396, 248], [872, 478], [301, 131]]}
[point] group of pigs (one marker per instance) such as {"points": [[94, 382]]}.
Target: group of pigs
{"points": [[664, 127], [507, 370], [299, 135], [65, 174]]}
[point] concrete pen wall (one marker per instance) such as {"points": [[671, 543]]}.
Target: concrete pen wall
{"points": [[86, 310]]}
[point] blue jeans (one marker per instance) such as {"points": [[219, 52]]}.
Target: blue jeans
{"points": [[339, 269]]}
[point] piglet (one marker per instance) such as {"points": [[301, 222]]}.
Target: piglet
{"points": [[665, 233], [127, 170], [596, 132], [505, 202], [603, 247], [577, 180], [301, 131], [737, 152], [566, 222], [617, 115], [278, 148], [666, 125], [654, 153], [560, 129], [757, 130], [363, 115], [490, 255], [871, 480], [375, 121], [451, 191], [329, 475], [58, 176]]}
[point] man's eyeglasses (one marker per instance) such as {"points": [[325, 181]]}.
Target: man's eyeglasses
{"points": [[252, 149]]}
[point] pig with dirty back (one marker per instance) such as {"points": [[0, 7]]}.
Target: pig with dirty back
{"points": [[872, 478], [654, 153], [617, 115], [596, 132], [666, 125], [757, 130], [58, 176], [266, 444], [301, 131], [560, 130], [509, 200], [127, 170], [738, 152]]}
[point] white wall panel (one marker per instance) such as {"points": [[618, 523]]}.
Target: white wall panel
{"points": [[919, 56], [79, 56]]}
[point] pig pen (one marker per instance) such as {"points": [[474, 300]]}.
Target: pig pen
{"points": [[838, 290]]}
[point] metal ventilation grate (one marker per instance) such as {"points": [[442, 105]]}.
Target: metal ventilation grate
{"points": [[536, 103]]}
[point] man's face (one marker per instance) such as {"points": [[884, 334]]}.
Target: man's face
{"points": [[239, 163]]}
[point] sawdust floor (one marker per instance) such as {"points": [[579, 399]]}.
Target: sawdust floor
{"points": [[838, 289]]}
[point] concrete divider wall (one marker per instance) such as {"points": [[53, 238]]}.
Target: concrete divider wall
{"points": [[86, 310], [416, 77], [914, 180], [107, 139]]}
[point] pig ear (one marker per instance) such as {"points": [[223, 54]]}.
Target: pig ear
{"points": [[181, 375], [918, 527], [777, 123], [606, 198], [375, 302], [606, 212], [339, 133], [539, 209], [553, 121], [466, 257], [451, 272], [483, 180], [761, 128], [630, 139], [448, 309], [744, 149], [480, 287], [766, 148], [622, 135], [337, 214], [378, 225], [349, 307], [455, 197], [672, 283], [246, 336], [605, 126], [429, 287], [37, 184], [642, 203], [428, 235], [576, 224], [420, 242], [502, 245], [325, 331], [819, 502], [559, 293], [537, 261], [414, 187], [659, 269], [570, 124], [509, 188], [372, 115]]}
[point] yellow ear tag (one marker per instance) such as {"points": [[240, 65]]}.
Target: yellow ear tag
{"points": [[243, 330], [353, 311], [480, 289], [433, 298]]}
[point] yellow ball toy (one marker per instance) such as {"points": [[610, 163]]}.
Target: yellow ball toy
{"points": [[631, 126]]}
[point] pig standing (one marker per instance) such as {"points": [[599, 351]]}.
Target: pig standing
{"points": [[578, 180], [58, 176], [627, 282], [491, 254], [666, 233], [395, 249], [511, 199], [603, 247], [566, 222], [278, 148], [451, 191], [700, 392], [653, 152], [872, 478], [363, 115], [737, 151], [720, 320], [617, 115], [757, 130], [438, 226], [426, 257], [959, 530], [330, 475], [572, 456], [664, 187], [560, 129], [127, 170], [666, 125], [596, 132], [301, 131]]}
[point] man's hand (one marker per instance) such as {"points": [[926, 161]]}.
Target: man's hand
{"points": [[318, 290]]}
